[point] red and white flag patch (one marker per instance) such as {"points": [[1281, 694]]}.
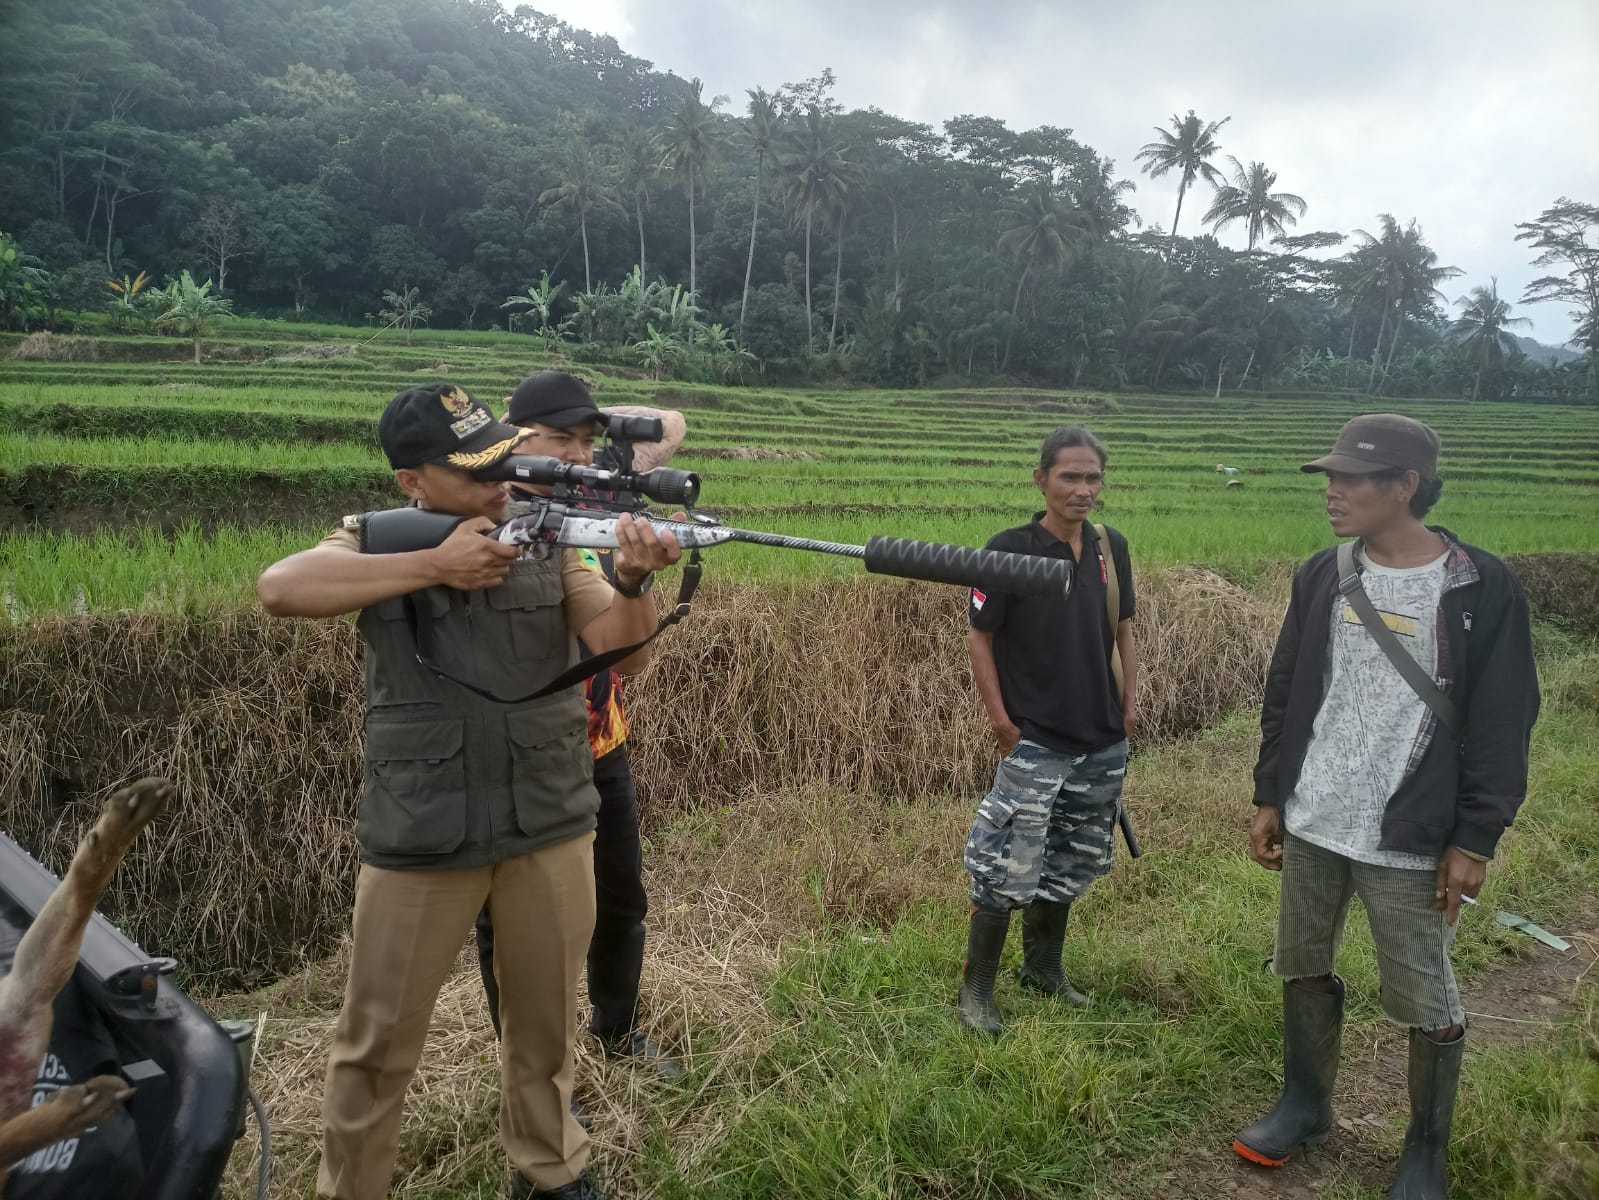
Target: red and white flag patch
{"points": [[978, 600]]}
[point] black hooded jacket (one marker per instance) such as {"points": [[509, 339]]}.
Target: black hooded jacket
{"points": [[1464, 791]]}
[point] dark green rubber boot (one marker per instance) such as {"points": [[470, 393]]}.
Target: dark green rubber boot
{"points": [[1043, 935], [1313, 1025], [1434, 1077], [985, 942]]}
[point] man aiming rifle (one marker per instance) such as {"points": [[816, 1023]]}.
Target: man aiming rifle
{"points": [[469, 801]]}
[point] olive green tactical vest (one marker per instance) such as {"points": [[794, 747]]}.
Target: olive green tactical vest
{"points": [[453, 779]]}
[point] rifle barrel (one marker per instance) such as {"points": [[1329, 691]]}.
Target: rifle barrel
{"points": [[785, 542]]}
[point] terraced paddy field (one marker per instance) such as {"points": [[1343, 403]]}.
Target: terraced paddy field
{"points": [[244, 451], [809, 752]]}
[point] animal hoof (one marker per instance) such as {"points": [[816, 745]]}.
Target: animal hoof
{"points": [[131, 808], [97, 1099]]}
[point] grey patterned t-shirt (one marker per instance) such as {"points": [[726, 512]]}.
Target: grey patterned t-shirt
{"points": [[1370, 719]]}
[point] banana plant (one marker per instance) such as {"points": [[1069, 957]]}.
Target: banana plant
{"points": [[189, 309], [127, 307]]}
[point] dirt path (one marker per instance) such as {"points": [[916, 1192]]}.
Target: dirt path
{"points": [[1512, 1004]]}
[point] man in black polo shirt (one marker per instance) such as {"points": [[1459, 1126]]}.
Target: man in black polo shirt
{"points": [[1047, 672]]}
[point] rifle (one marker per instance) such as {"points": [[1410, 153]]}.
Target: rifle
{"points": [[585, 503]]}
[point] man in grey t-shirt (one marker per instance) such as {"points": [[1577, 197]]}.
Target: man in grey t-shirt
{"points": [[1362, 789]]}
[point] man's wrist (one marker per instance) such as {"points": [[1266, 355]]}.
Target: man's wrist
{"points": [[632, 589], [1471, 854]]}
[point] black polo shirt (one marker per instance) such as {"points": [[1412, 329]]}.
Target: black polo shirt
{"points": [[1053, 655]]}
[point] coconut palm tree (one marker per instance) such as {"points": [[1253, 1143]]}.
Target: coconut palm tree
{"points": [[690, 143], [190, 309], [1042, 231], [585, 188], [1249, 198], [1483, 329], [1186, 149], [757, 132], [1401, 271], [639, 154], [816, 172], [1100, 199]]}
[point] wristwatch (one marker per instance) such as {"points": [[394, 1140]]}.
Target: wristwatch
{"points": [[633, 591]]}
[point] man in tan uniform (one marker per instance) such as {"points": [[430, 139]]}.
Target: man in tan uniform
{"points": [[467, 801]]}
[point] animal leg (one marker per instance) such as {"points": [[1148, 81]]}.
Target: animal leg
{"points": [[48, 952], [70, 1111]]}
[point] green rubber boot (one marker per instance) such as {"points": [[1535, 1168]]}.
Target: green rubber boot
{"points": [[1434, 1077], [985, 942], [1043, 936], [1313, 1024]]}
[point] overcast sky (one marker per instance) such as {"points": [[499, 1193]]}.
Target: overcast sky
{"points": [[1466, 115]]}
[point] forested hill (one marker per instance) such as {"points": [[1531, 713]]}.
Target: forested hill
{"points": [[308, 157]]}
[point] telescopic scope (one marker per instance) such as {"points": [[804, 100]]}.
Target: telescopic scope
{"points": [[663, 484]]}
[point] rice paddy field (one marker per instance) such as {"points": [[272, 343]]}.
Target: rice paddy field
{"points": [[809, 752], [92, 455]]}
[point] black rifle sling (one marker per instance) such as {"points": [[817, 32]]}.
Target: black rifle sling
{"points": [[422, 632], [1414, 674]]}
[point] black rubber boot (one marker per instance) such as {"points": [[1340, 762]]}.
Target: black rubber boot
{"points": [[1434, 1077], [1313, 1025], [579, 1189], [1043, 934], [985, 942]]}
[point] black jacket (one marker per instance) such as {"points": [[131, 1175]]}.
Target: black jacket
{"points": [[1462, 792]]}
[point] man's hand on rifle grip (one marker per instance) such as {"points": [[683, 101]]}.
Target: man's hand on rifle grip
{"points": [[468, 561]]}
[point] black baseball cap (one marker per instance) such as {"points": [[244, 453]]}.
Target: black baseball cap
{"points": [[1381, 442], [442, 423], [554, 398]]}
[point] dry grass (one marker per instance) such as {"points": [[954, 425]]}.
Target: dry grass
{"points": [[45, 346], [713, 951], [318, 353], [257, 722], [859, 688], [1562, 586]]}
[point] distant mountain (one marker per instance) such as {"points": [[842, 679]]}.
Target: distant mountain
{"points": [[1538, 352]]}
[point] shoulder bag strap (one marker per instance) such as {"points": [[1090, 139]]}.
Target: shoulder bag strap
{"points": [[1113, 604], [1350, 587]]}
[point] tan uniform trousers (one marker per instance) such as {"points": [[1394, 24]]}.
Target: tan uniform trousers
{"points": [[409, 928]]}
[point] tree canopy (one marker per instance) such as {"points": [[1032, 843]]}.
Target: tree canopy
{"points": [[309, 158]]}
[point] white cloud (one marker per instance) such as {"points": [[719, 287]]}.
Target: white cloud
{"points": [[1467, 116]]}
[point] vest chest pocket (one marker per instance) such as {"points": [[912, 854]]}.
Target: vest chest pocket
{"points": [[434, 600], [415, 797], [529, 601], [551, 773]]}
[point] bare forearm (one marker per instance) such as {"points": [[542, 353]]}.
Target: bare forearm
{"points": [[328, 582], [625, 622], [1128, 646], [980, 651]]}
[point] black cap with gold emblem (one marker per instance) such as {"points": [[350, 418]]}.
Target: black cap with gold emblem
{"points": [[441, 423]]}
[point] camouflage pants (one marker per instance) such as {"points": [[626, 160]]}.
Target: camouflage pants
{"points": [[1044, 831]]}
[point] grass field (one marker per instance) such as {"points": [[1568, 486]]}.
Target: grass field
{"points": [[807, 780]]}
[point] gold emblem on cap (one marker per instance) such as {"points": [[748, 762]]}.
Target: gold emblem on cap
{"points": [[456, 402], [484, 458]]}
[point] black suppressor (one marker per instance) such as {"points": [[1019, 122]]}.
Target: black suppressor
{"points": [[663, 484], [1026, 574]]}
